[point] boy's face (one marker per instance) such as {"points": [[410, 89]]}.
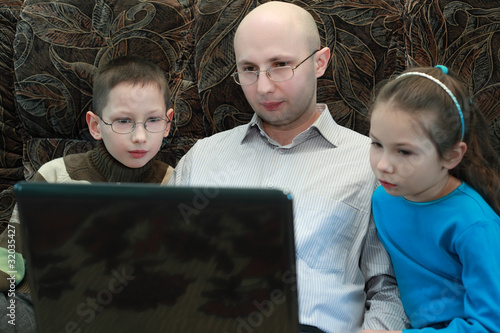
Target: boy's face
{"points": [[138, 103]]}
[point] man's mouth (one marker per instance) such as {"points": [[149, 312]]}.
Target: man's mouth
{"points": [[271, 106]]}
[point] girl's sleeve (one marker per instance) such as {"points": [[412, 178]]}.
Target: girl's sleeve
{"points": [[478, 248]]}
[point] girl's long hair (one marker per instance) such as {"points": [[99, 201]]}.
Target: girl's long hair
{"points": [[480, 166]]}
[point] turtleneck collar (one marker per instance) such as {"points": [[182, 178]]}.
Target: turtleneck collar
{"points": [[114, 171]]}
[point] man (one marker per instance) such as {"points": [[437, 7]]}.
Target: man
{"points": [[345, 279]]}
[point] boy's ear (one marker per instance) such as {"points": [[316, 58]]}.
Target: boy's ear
{"points": [[170, 115], [92, 123], [455, 155]]}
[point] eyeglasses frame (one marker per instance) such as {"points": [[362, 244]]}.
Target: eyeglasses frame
{"points": [[135, 124], [257, 73]]}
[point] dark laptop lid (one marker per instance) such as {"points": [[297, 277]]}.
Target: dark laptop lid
{"points": [[150, 258]]}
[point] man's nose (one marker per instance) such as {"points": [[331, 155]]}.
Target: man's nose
{"points": [[264, 83]]}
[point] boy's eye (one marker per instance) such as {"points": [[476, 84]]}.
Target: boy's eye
{"points": [[123, 121], [154, 119]]}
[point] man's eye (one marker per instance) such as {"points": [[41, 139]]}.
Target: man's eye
{"points": [[280, 64], [250, 69]]}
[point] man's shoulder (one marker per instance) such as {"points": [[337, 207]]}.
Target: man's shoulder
{"points": [[350, 136], [229, 137], [339, 134]]}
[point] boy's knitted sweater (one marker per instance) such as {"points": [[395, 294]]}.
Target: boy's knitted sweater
{"points": [[98, 165]]}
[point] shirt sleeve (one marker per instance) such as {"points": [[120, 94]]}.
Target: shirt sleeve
{"points": [[383, 308], [478, 248]]}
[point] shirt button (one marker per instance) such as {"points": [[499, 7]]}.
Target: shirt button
{"points": [[280, 151], [270, 185]]}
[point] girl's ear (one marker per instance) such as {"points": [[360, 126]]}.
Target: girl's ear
{"points": [[454, 155], [93, 124]]}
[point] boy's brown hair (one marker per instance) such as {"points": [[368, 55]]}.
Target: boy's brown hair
{"points": [[130, 69]]}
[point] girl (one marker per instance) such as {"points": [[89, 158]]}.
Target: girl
{"points": [[437, 211]]}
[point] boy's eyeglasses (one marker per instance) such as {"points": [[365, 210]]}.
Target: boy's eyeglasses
{"points": [[126, 126], [276, 74]]}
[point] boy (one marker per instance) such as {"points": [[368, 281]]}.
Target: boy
{"points": [[131, 98]]}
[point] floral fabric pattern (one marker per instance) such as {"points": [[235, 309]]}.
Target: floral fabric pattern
{"points": [[50, 50]]}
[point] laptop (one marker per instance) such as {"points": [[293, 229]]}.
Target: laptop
{"points": [[148, 258]]}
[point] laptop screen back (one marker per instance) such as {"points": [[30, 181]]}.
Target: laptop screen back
{"points": [[150, 258]]}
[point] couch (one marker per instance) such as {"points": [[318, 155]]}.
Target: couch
{"points": [[50, 49]]}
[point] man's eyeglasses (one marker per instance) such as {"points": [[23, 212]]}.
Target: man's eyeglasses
{"points": [[276, 74], [126, 126]]}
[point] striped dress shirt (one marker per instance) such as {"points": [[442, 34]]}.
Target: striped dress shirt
{"points": [[344, 277]]}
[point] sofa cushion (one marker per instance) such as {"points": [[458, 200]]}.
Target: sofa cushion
{"points": [[11, 132]]}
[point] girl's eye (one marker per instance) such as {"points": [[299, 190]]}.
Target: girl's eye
{"points": [[376, 144], [405, 152]]}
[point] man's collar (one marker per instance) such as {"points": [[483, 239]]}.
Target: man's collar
{"points": [[324, 125]]}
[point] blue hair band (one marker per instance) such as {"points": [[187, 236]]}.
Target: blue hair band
{"points": [[448, 91], [443, 68]]}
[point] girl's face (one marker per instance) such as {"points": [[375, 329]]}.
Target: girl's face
{"points": [[403, 157]]}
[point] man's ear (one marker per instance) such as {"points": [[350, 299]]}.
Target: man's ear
{"points": [[454, 155], [170, 115], [93, 124], [322, 58]]}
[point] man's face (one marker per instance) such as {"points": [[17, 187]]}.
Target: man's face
{"points": [[286, 104]]}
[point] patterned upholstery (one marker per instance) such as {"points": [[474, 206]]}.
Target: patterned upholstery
{"points": [[50, 50]]}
